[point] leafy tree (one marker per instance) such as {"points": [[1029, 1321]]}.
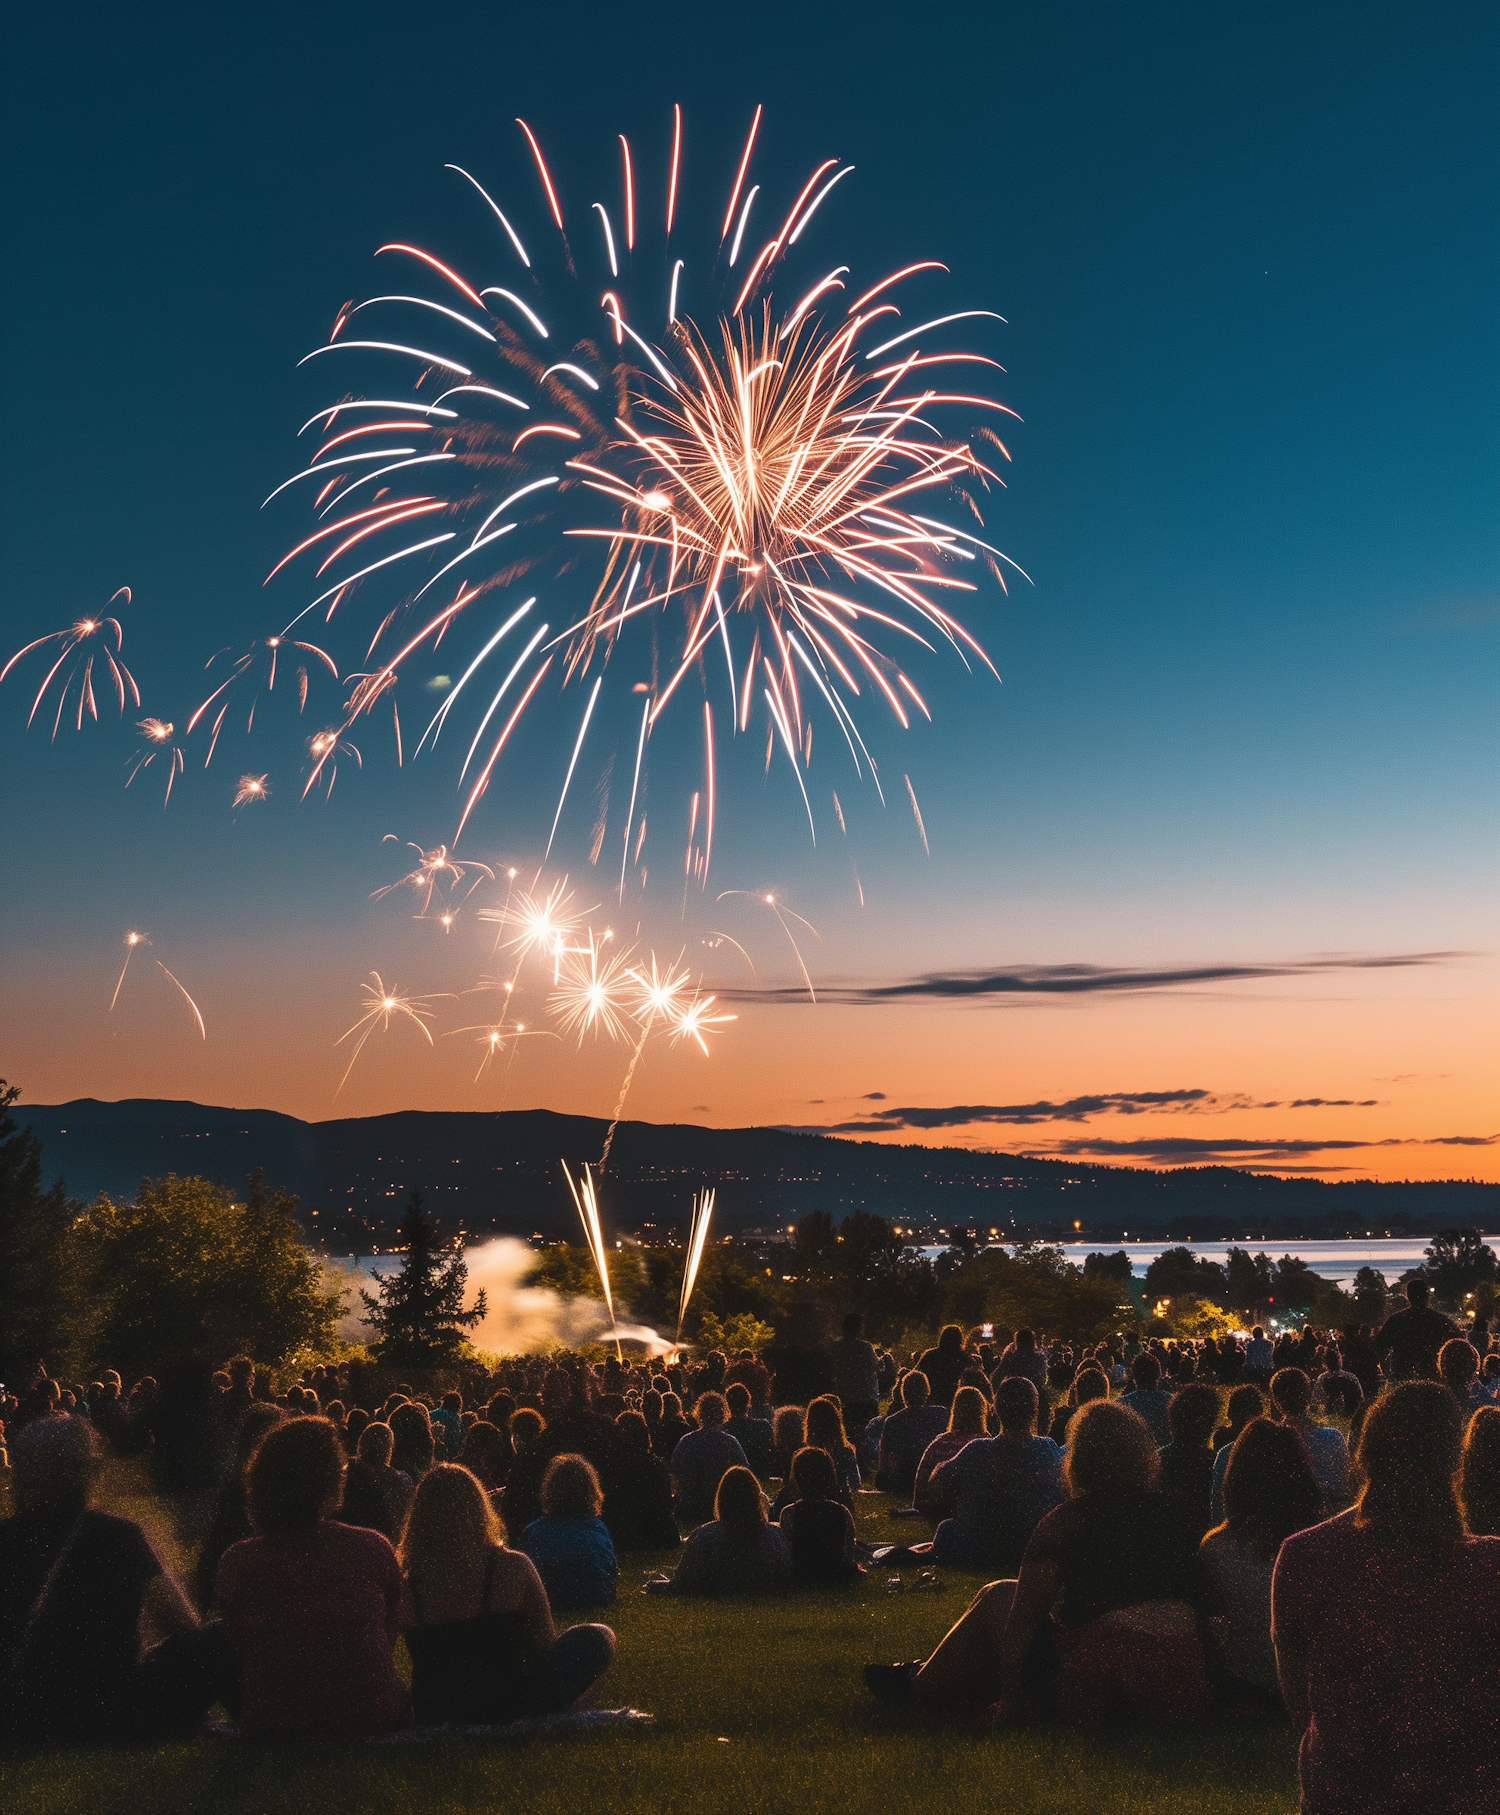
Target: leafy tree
{"points": [[418, 1313], [1457, 1261], [862, 1240], [43, 1312], [185, 1270], [1249, 1279], [741, 1331], [1370, 1295], [1114, 1268], [1297, 1286], [1179, 1273]]}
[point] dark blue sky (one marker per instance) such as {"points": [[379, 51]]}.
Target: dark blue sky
{"points": [[1247, 256]]}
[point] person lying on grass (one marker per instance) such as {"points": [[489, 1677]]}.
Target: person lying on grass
{"points": [[1098, 1620], [483, 1646], [739, 1552], [817, 1526]]}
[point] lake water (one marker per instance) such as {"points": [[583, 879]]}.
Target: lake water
{"points": [[1335, 1260]]}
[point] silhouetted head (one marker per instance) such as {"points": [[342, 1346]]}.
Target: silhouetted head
{"points": [[1291, 1392], [740, 1506], [951, 1341], [1408, 1455], [55, 1461], [710, 1411], [813, 1474], [451, 1519], [915, 1388], [1458, 1363], [1025, 1341], [632, 1433], [1418, 1291], [1016, 1406], [970, 1412], [825, 1424], [570, 1489], [296, 1477], [1110, 1451], [1145, 1371], [1270, 1489], [1090, 1383], [1193, 1414], [1479, 1475], [737, 1398]]}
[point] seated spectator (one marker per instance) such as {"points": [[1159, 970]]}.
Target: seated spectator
{"points": [[1023, 1360], [485, 1452], [1337, 1390], [1245, 1403], [942, 1366], [1479, 1478], [998, 1488], [788, 1434], [905, 1436], [825, 1430], [447, 1422], [1384, 1621], [77, 1590], [1291, 1392], [1098, 1621], [1270, 1491], [231, 1520], [738, 1552], [1458, 1368], [376, 1495], [483, 1646], [752, 1434], [1149, 1399], [816, 1526], [1089, 1383], [521, 1497], [411, 1431], [967, 1420], [638, 1490], [1187, 1463], [311, 1606], [570, 1543], [701, 1460], [671, 1427]]}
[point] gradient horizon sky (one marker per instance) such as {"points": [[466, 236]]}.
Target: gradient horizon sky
{"points": [[1245, 741]]}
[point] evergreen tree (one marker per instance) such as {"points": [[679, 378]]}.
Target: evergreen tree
{"points": [[418, 1314], [1370, 1294], [42, 1308]]}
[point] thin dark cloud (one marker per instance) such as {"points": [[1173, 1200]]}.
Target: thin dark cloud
{"points": [[1073, 1109], [1076, 980], [1185, 1150], [1332, 1103], [873, 1096]]}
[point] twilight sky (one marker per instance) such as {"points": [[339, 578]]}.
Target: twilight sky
{"points": [[1211, 873]]}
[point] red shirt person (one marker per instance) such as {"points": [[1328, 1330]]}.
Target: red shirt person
{"points": [[312, 1607]]}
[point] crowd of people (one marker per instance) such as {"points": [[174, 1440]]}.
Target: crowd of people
{"points": [[1305, 1528]]}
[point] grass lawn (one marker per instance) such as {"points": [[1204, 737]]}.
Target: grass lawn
{"points": [[759, 1706]]}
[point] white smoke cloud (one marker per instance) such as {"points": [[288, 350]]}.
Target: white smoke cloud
{"points": [[519, 1319]]}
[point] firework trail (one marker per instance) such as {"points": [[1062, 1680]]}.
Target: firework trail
{"points": [[770, 901], [916, 813], [82, 647], [655, 995], [586, 1202], [703, 1210], [134, 939], [741, 445], [382, 1006]]}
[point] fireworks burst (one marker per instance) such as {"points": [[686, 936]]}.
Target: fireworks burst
{"points": [[250, 789], [435, 867], [592, 993], [382, 1006], [250, 671], [325, 748], [755, 488], [693, 1020], [82, 647], [159, 744]]}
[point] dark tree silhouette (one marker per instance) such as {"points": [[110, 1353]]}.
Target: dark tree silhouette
{"points": [[1457, 1261], [1250, 1279], [418, 1314], [1114, 1268], [40, 1300], [1179, 1271]]}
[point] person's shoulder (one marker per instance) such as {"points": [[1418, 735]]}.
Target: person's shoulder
{"points": [[359, 1541], [1314, 1547]]}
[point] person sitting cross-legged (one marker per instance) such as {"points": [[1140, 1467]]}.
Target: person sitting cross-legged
{"points": [[478, 1625], [701, 1460], [906, 1434]]}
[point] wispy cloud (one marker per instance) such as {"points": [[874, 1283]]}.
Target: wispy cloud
{"points": [[1072, 1109], [1031, 980]]}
